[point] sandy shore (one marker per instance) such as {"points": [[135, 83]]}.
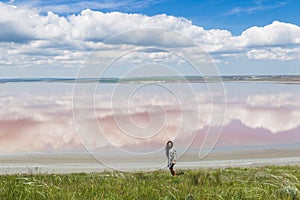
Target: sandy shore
{"points": [[63, 168], [84, 162]]}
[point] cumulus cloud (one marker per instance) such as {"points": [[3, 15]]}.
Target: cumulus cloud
{"points": [[29, 24], [277, 33], [32, 38], [275, 53]]}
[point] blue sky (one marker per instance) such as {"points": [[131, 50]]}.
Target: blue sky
{"points": [[244, 37]]}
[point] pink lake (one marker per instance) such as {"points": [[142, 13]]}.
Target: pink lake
{"points": [[45, 118]]}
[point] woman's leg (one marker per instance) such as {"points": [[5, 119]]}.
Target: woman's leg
{"points": [[172, 170]]}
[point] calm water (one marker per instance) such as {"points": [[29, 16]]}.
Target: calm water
{"points": [[135, 120]]}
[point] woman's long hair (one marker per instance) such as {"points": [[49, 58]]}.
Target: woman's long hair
{"points": [[168, 148]]}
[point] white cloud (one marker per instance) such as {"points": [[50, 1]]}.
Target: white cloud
{"points": [[277, 33], [256, 8], [76, 6], [275, 53], [29, 38]]}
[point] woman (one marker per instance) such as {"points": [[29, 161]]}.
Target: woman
{"points": [[171, 155]]}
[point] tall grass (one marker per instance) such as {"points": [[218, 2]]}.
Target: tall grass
{"points": [[273, 182]]}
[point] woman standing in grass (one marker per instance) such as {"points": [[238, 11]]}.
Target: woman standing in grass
{"points": [[171, 155]]}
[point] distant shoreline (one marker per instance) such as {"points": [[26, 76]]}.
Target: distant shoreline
{"points": [[293, 79]]}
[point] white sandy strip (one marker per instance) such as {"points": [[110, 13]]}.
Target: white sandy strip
{"points": [[63, 168]]}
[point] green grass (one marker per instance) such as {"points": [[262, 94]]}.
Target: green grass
{"points": [[273, 182]]}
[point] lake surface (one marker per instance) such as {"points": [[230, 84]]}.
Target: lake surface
{"points": [[117, 124]]}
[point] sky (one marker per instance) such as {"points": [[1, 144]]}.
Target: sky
{"points": [[54, 38]]}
